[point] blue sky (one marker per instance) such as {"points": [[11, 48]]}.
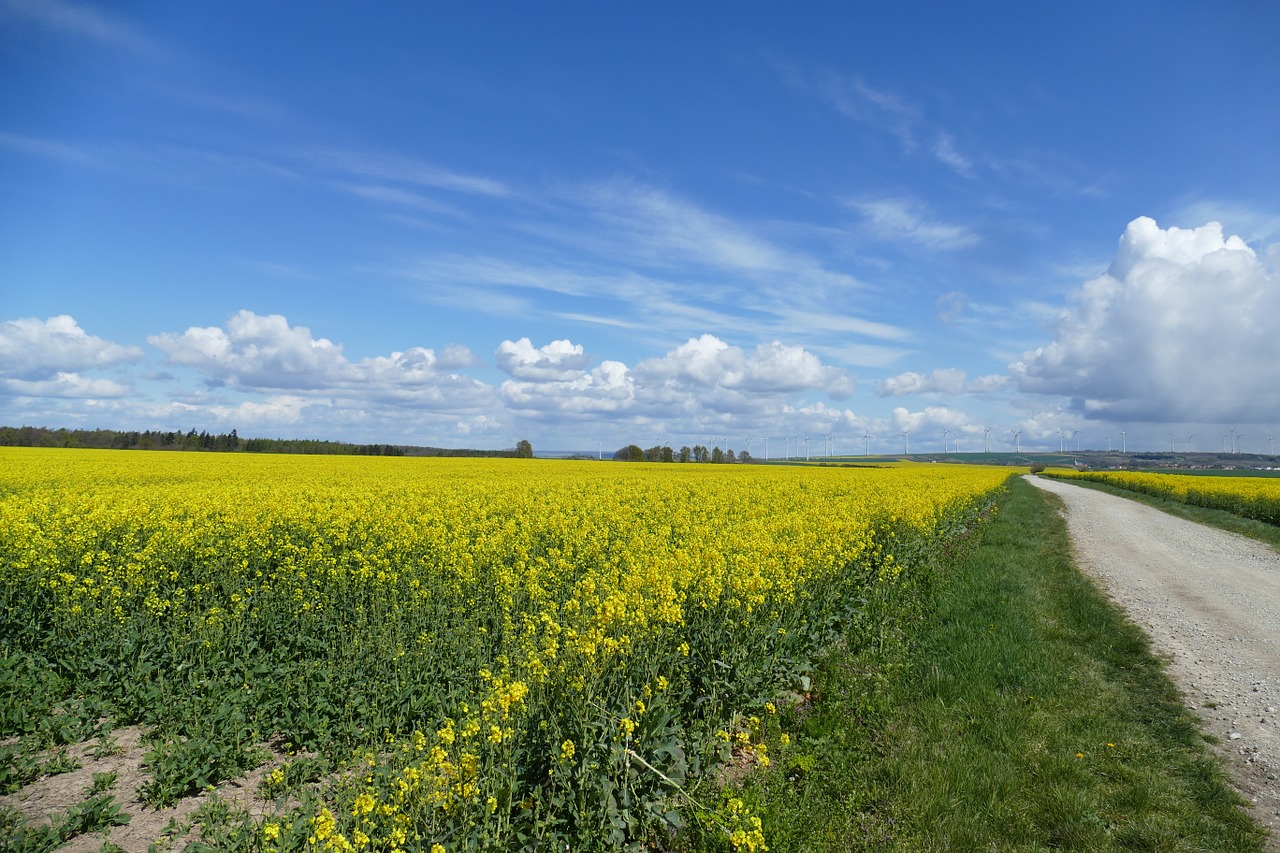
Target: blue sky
{"points": [[592, 224]]}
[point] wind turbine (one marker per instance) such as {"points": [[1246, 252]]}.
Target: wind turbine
{"points": [[906, 442], [1122, 442], [1017, 448], [1062, 441], [1189, 447], [806, 449], [866, 446], [766, 448], [1076, 436], [945, 433], [1171, 443], [1237, 443], [831, 443], [986, 434]]}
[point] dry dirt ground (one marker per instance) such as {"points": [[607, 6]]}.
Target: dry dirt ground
{"points": [[1210, 601], [44, 799]]}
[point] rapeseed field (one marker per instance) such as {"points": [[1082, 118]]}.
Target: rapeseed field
{"points": [[453, 654], [1251, 497]]}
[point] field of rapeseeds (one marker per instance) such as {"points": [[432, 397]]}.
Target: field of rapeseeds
{"points": [[455, 654], [1251, 497]]}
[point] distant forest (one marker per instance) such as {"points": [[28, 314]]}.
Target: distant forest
{"points": [[109, 439]]}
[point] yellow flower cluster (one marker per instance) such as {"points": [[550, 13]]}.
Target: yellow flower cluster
{"points": [[1251, 497], [531, 617]]}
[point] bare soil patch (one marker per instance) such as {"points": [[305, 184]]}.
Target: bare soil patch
{"points": [[46, 798]]}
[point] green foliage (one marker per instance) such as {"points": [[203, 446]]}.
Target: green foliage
{"points": [[92, 815], [20, 765], [180, 768]]}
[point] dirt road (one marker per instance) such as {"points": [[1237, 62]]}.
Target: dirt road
{"points": [[1210, 601]]}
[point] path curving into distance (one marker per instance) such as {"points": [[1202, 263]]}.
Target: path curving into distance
{"points": [[1210, 602]]}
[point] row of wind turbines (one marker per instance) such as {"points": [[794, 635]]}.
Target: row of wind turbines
{"points": [[1230, 442]]}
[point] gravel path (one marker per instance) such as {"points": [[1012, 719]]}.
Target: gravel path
{"points": [[1210, 601]]}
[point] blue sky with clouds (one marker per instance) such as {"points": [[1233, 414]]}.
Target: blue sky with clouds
{"points": [[590, 224]]}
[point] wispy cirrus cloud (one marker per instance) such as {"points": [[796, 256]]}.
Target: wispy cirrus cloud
{"points": [[882, 110], [49, 149], [944, 148], [402, 170], [910, 220], [79, 20], [878, 108]]}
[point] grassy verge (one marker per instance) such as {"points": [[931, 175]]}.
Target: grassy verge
{"points": [[1030, 715], [1220, 518]]}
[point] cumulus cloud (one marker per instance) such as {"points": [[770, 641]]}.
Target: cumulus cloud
{"points": [[774, 368], [68, 385], [37, 350], [942, 381], [606, 389], [266, 354], [558, 360], [932, 417], [1180, 328], [988, 384], [704, 376]]}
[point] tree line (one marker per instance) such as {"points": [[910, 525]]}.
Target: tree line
{"points": [[697, 453], [109, 439]]}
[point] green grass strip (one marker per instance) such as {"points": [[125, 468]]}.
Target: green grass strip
{"points": [[1030, 715]]}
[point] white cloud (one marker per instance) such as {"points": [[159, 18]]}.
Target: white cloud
{"points": [[257, 351], [945, 150], [773, 368], [653, 227], [877, 108], [402, 198], [908, 220], [703, 379], [941, 381], [951, 305], [936, 418], [277, 410], [989, 384], [1181, 328], [404, 170], [606, 389], [69, 385], [558, 360], [32, 349], [266, 354]]}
